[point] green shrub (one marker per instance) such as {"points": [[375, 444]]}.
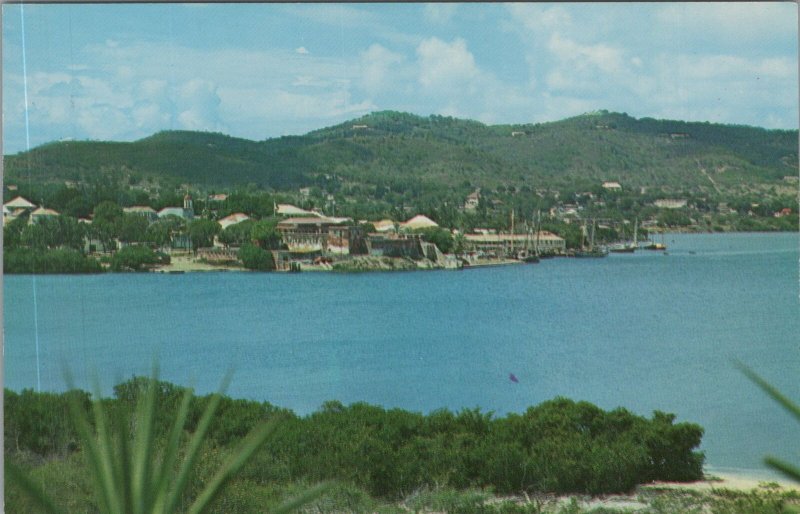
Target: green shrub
{"points": [[255, 258]]}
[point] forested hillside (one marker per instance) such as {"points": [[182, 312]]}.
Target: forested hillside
{"points": [[396, 151]]}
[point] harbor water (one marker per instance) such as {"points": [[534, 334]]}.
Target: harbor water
{"points": [[643, 331]]}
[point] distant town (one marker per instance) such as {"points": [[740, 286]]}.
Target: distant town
{"points": [[217, 231]]}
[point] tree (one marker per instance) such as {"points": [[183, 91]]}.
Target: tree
{"points": [[441, 237], [54, 232], [134, 258], [256, 258], [132, 228], [237, 234], [104, 222], [265, 232], [202, 232]]}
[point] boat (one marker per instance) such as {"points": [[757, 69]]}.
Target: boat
{"points": [[627, 247], [591, 250], [652, 245]]}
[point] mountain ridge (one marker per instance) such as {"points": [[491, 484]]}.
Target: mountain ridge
{"points": [[391, 148]]}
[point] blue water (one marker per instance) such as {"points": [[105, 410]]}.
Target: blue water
{"points": [[643, 331]]}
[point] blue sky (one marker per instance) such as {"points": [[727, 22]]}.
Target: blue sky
{"points": [[123, 72]]}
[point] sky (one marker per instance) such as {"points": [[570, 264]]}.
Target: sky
{"points": [[123, 72]]}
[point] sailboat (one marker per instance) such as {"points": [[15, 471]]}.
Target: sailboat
{"points": [[652, 245], [628, 247], [591, 250], [528, 255]]}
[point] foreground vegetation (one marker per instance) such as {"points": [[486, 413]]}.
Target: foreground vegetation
{"points": [[376, 456]]}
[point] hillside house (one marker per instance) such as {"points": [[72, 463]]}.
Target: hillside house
{"points": [[473, 200], [783, 212], [19, 203], [670, 203], [612, 186], [42, 213]]}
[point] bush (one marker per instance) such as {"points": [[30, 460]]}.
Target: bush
{"points": [[559, 446], [27, 260], [255, 258], [136, 258]]}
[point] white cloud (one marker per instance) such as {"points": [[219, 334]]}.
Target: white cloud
{"points": [[605, 58], [301, 50], [541, 19], [742, 22], [439, 13], [444, 65], [378, 64]]}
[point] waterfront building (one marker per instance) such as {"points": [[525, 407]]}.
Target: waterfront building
{"points": [[317, 234], [500, 245]]}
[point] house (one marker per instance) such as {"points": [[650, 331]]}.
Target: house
{"points": [[473, 200], [670, 203], [517, 133], [500, 245], [305, 191], [19, 203], [419, 221], [233, 219], [395, 245], [142, 210], [311, 234], [42, 213], [175, 211], [285, 209], [612, 186], [385, 225], [217, 198], [783, 212]]}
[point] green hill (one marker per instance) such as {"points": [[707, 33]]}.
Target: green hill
{"points": [[395, 151]]}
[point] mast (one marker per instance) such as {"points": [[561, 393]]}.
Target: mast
{"points": [[635, 232], [512, 231], [538, 231]]}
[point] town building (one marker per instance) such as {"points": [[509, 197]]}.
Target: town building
{"points": [[233, 219], [318, 235], [42, 213], [500, 245], [285, 209], [142, 210], [419, 221]]}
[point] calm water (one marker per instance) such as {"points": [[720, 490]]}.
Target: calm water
{"points": [[643, 331]]}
